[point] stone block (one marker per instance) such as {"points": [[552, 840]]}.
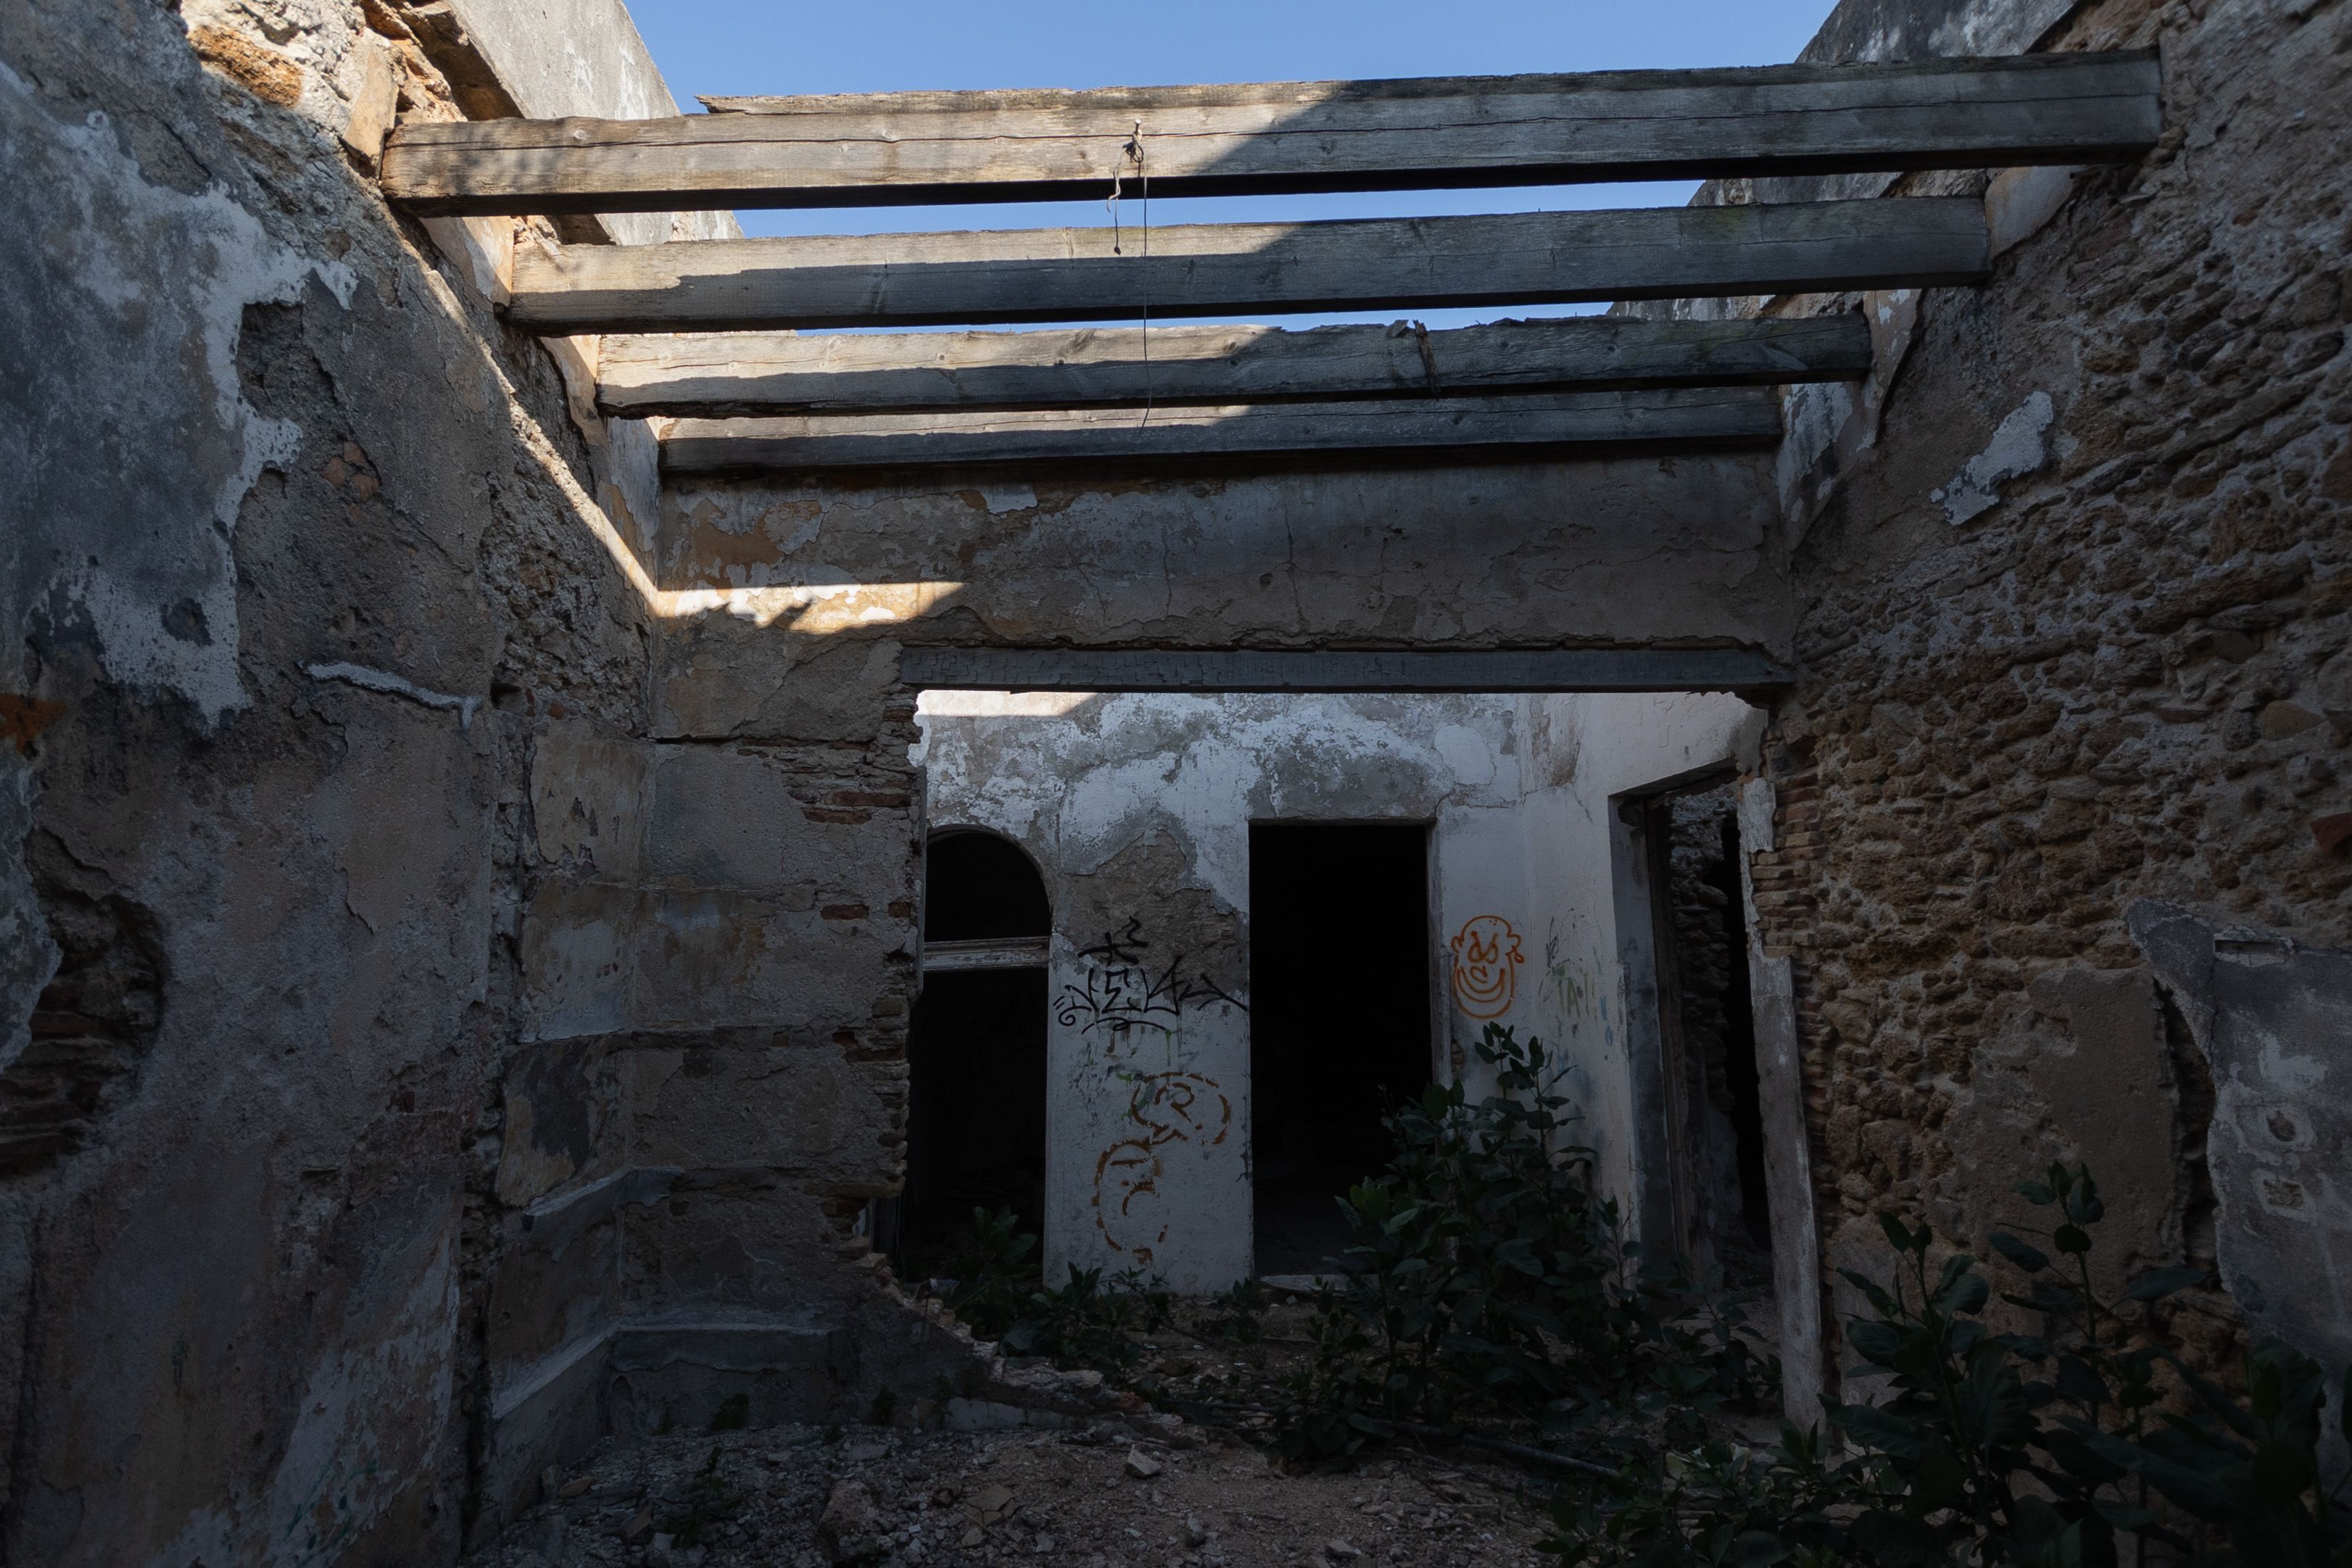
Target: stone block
{"points": [[375, 99]]}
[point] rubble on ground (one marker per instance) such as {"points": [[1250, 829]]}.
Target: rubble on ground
{"points": [[1089, 1497]]}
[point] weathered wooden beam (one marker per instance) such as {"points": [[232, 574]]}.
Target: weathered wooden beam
{"points": [[900, 149], [720, 374], [1381, 670], [1705, 417], [1218, 269]]}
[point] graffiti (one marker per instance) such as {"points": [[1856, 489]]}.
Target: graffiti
{"points": [[1123, 991], [1570, 993], [1173, 1108], [1486, 961], [1166, 1108], [1127, 1193]]}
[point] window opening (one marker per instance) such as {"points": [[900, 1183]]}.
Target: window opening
{"points": [[976, 1053]]}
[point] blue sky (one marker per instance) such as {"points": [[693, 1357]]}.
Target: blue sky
{"points": [[731, 47]]}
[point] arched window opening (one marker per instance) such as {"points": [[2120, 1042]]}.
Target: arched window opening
{"points": [[979, 887], [976, 1050]]}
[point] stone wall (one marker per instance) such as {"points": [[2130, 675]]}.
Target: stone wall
{"points": [[345, 1180], [2074, 579]]}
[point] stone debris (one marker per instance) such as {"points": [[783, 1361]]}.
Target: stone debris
{"points": [[846, 1531], [803, 1498]]}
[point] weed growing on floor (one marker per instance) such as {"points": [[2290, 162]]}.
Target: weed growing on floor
{"points": [[1083, 1323], [2050, 1450], [1236, 1317]]}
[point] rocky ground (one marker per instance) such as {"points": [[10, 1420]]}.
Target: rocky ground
{"points": [[1094, 1498]]}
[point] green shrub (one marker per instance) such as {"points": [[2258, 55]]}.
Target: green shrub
{"points": [[2044, 1451], [1082, 1324], [1490, 1283]]}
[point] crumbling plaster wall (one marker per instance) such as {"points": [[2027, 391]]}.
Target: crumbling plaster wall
{"points": [[325, 700], [2073, 578], [1590, 974], [1137, 809]]}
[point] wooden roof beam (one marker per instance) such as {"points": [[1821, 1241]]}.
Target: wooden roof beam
{"points": [[1707, 418], [720, 374], [1740, 670], [907, 149], [984, 277]]}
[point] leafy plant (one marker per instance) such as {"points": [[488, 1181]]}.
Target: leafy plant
{"points": [[1237, 1315], [996, 1291], [2044, 1451], [1082, 1324], [1491, 1283], [1718, 1503]]}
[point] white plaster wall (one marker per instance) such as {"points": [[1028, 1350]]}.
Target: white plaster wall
{"points": [[1583, 753], [1138, 808]]}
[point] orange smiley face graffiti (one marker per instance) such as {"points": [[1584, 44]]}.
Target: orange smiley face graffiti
{"points": [[1485, 967]]}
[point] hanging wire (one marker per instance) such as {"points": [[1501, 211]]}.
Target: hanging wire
{"points": [[1133, 153]]}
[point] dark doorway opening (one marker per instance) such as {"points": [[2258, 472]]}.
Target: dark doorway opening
{"points": [[1340, 1023], [976, 1053], [1709, 1031]]}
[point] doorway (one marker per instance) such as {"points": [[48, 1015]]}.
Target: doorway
{"points": [[1707, 1035], [975, 1053], [1340, 1023]]}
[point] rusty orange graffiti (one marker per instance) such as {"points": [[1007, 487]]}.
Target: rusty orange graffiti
{"points": [[1128, 1174], [1486, 965], [1169, 1108]]}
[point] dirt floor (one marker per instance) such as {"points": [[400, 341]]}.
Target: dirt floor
{"points": [[788, 1498]]}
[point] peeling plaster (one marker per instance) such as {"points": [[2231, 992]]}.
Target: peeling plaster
{"points": [[161, 517], [2019, 447]]}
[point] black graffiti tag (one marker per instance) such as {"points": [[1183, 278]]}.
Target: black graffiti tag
{"points": [[1122, 991]]}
